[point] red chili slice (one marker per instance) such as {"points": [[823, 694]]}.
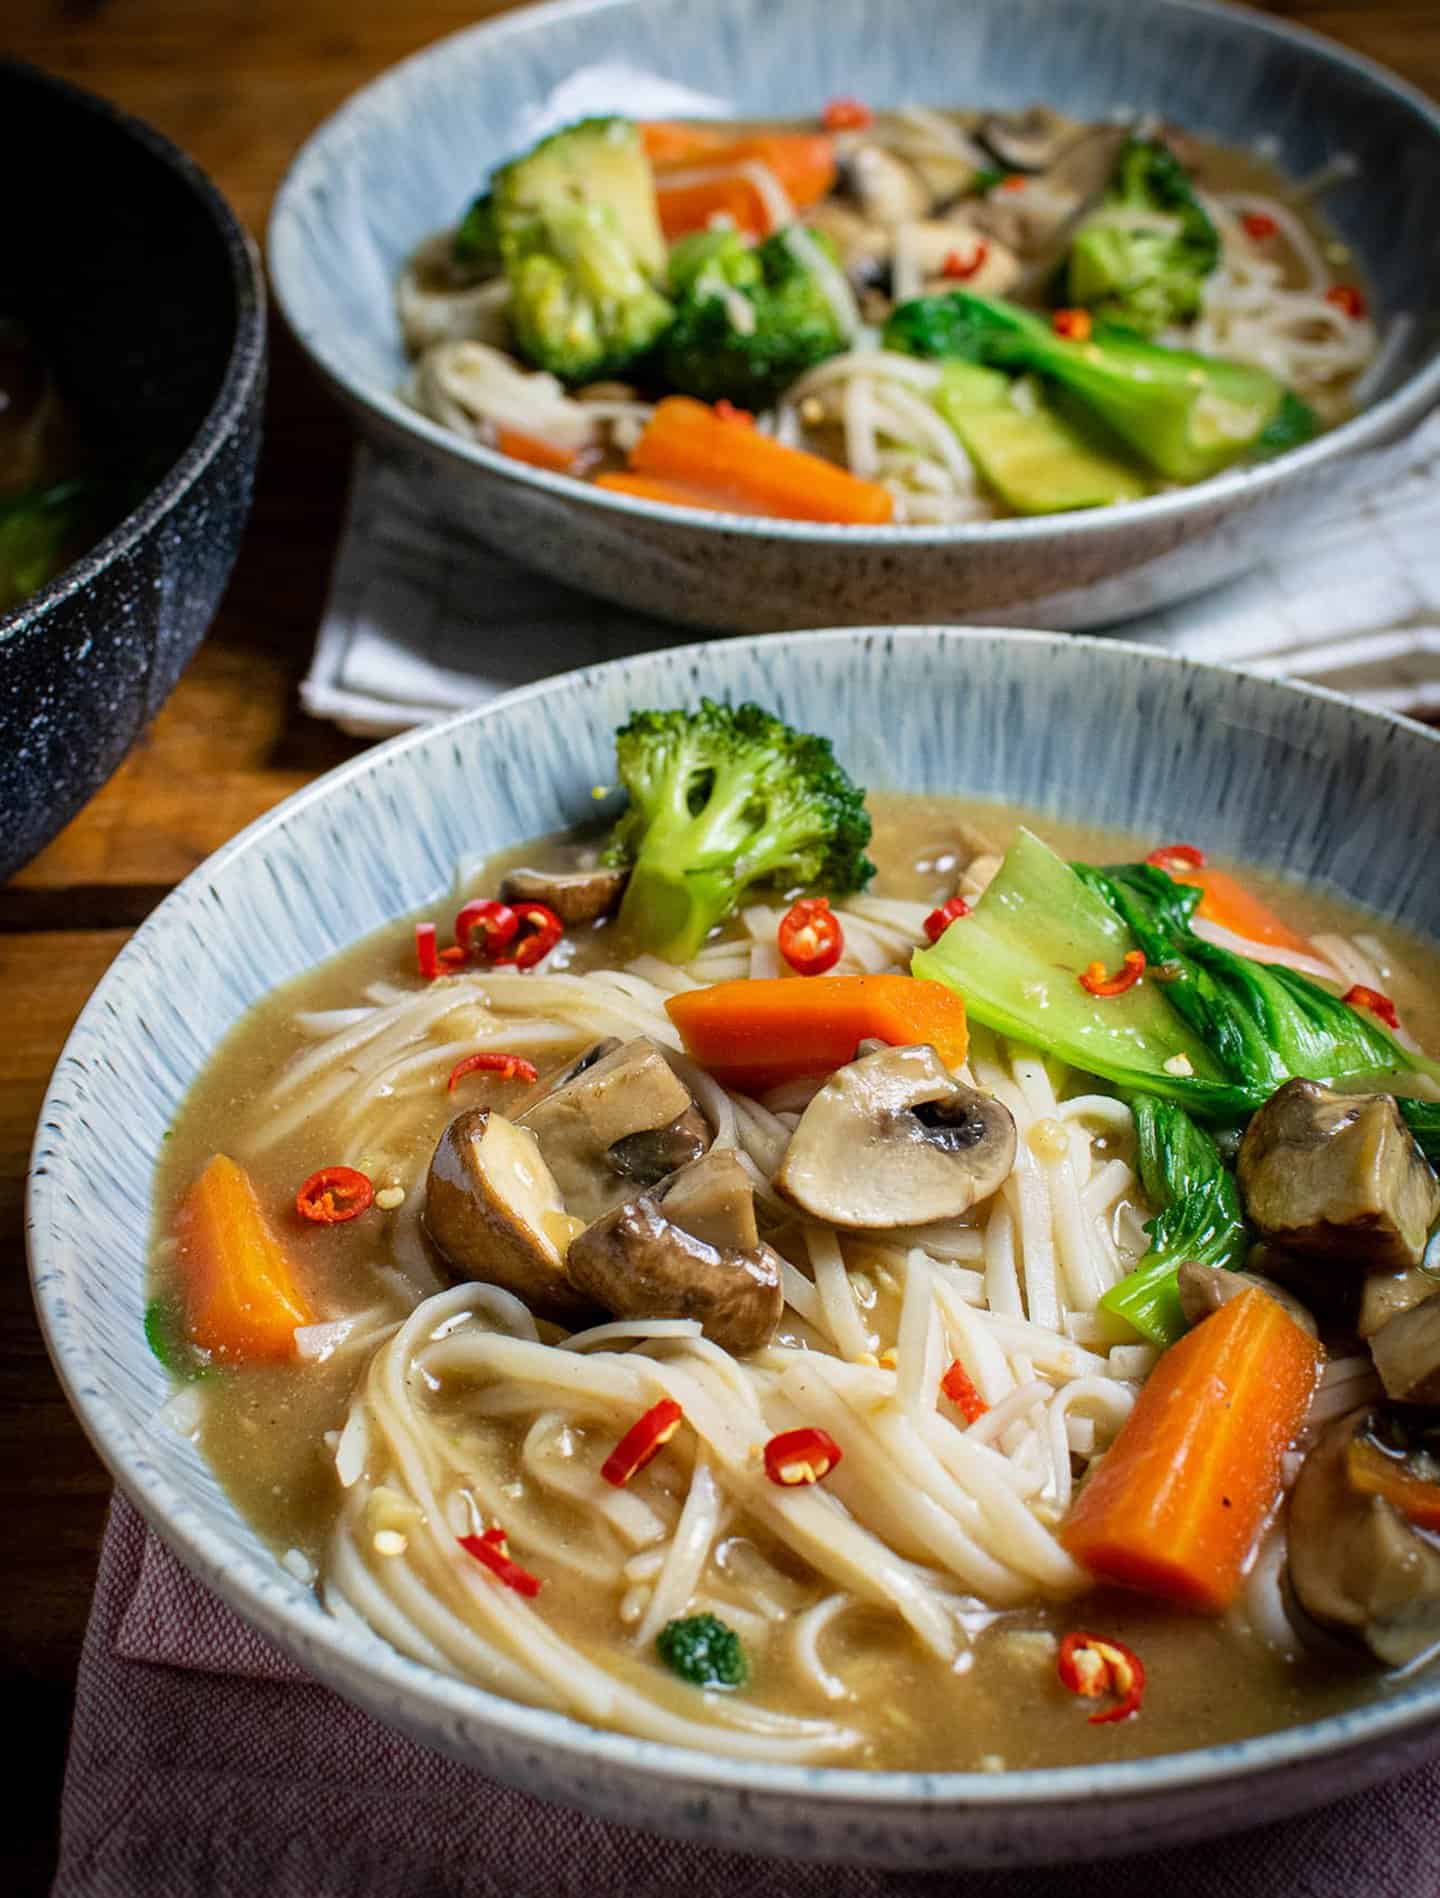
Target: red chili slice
{"points": [[425, 951], [1074, 325], [538, 931], [1361, 997], [962, 1393], [485, 927], [846, 115], [939, 920], [1259, 226], [645, 1439], [962, 267], [505, 1067], [810, 936], [800, 1456], [1090, 1665], [333, 1195], [493, 1551], [1173, 857], [1350, 298], [1099, 983]]}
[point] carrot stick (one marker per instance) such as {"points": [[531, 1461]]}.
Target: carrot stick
{"points": [[753, 1034], [1226, 902], [530, 448], [1178, 1503], [242, 1300], [675, 493], [687, 442], [803, 164], [699, 202]]}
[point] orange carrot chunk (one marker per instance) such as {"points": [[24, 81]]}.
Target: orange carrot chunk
{"points": [[754, 1034], [242, 1299], [530, 448], [672, 493], [1178, 1503], [1226, 902], [687, 442], [699, 172]]}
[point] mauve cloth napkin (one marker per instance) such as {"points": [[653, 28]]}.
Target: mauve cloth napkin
{"points": [[203, 1762]]}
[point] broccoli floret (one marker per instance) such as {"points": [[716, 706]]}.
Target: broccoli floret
{"points": [[722, 799], [1127, 267], [747, 321], [475, 245], [579, 305], [579, 236], [703, 1651], [1186, 416]]}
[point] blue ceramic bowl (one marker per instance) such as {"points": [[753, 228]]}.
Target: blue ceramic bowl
{"points": [[1288, 777], [407, 153], [155, 329]]}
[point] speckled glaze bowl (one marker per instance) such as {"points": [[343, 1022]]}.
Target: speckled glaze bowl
{"points": [[1292, 778], [407, 153], [154, 323]]}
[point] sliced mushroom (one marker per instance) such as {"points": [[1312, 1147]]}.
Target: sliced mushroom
{"points": [[1205, 1288], [714, 1199], [638, 1263], [1031, 140], [895, 1140], [1339, 1177], [946, 176], [1358, 1567], [493, 1209], [1039, 221], [864, 245], [1385, 1295], [888, 190], [623, 1119], [1406, 1350], [576, 896]]}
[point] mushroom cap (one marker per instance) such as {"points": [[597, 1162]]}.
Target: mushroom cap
{"points": [[493, 1209], [1356, 1566], [1031, 140], [576, 896], [590, 1125], [637, 1263], [893, 1139], [1205, 1288]]}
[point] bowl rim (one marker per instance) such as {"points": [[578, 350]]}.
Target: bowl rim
{"points": [[1374, 426], [267, 1597], [244, 364]]}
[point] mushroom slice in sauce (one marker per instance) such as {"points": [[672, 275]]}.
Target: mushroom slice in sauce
{"points": [[639, 1263], [713, 1198], [888, 190], [576, 896], [1031, 140], [590, 1127], [1358, 1566], [493, 1209], [1385, 1295], [895, 1140], [1205, 1288], [1406, 1350], [1338, 1176]]}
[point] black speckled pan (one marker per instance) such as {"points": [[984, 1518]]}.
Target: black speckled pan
{"points": [[146, 295]]}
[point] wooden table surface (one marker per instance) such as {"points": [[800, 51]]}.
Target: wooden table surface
{"points": [[238, 84]]}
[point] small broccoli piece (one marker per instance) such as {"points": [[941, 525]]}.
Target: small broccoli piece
{"points": [[703, 1651], [579, 305], [1131, 269], [475, 245], [723, 799], [1186, 416], [748, 321], [595, 162], [580, 239]]}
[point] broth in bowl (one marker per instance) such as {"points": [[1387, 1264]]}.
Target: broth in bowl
{"points": [[812, 1327]]}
